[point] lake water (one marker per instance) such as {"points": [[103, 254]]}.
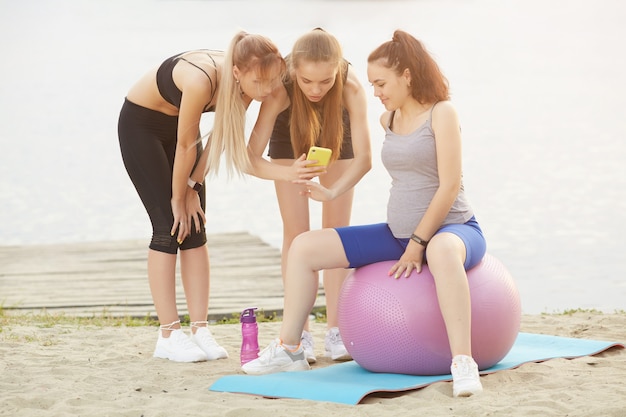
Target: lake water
{"points": [[539, 87]]}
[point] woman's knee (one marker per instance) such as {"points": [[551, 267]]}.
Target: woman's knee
{"points": [[445, 248], [163, 241], [302, 246], [319, 249]]}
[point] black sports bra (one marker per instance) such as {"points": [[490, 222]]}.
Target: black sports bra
{"points": [[169, 91]]}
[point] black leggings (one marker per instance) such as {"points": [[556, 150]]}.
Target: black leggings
{"points": [[148, 144]]}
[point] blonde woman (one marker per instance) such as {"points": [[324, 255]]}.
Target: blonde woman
{"points": [[159, 140], [321, 103]]}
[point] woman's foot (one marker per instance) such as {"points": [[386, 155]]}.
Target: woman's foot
{"points": [[277, 358], [205, 341], [335, 349], [465, 377], [309, 346], [178, 347]]}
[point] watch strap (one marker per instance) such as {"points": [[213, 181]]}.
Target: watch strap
{"points": [[197, 186], [419, 240]]}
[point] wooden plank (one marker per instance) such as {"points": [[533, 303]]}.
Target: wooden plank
{"points": [[96, 278]]}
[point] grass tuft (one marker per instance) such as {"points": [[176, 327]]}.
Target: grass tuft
{"points": [[104, 319]]}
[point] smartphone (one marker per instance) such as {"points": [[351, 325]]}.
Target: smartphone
{"points": [[321, 155]]}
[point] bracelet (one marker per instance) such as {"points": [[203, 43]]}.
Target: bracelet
{"points": [[419, 240]]}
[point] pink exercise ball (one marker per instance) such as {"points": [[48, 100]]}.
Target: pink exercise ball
{"points": [[395, 325]]}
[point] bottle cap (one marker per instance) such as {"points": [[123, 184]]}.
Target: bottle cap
{"points": [[248, 315]]}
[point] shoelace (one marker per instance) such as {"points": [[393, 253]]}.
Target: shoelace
{"points": [[180, 338], [307, 340], [205, 337], [334, 337], [271, 350], [464, 367]]}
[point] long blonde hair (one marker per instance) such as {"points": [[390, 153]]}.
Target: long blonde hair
{"points": [[308, 120], [249, 52]]}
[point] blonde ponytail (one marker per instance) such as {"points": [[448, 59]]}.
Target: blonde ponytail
{"points": [[249, 53]]}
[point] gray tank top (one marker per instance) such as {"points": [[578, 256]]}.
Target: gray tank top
{"points": [[411, 161]]}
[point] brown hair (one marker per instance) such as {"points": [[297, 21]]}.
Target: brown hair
{"points": [[310, 121], [428, 84]]}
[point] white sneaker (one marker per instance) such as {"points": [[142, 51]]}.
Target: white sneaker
{"points": [[205, 341], [309, 346], [335, 348], [178, 348], [465, 377], [276, 358]]}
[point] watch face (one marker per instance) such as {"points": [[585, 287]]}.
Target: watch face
{"points": [[197, 186]]}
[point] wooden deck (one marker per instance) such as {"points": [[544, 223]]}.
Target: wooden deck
{"points": [[110, 278]]}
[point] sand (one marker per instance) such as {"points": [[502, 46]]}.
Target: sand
{"points": [[70, 370]]}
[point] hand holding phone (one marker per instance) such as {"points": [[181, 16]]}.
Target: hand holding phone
{"points": [[321, 155]]}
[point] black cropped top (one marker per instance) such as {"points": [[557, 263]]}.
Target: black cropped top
{"points": [[168, 89]]}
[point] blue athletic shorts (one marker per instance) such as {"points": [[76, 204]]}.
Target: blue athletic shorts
{"points": [[369, 244]]}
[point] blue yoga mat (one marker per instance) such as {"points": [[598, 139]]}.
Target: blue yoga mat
{"points": [[348, 383]]}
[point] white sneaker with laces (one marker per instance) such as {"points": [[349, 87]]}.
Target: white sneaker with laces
{"points": [[465, 377], [277, 358], [309, 346], [335, 349], [205, 341], [178, 348]]}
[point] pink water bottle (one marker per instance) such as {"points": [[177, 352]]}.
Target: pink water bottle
{"points": [[250, 336]]}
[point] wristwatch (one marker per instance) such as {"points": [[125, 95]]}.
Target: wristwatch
{"points": [[197, 186]]}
